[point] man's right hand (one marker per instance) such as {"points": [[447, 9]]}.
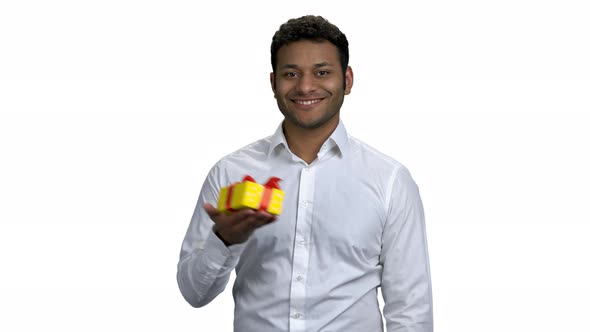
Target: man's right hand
{"points": [[238, 226]]}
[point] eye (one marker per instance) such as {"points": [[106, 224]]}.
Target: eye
{"points": [[322, 73], [290, 74]]}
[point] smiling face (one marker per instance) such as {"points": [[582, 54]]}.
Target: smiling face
{"points": [[309, 84]]}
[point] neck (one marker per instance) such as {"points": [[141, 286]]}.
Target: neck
{"points": [[306, 143]]}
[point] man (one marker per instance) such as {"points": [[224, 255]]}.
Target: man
{"points": [[352, 218]]}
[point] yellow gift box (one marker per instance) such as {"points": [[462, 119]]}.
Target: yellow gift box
{"points": [[249, 194]]}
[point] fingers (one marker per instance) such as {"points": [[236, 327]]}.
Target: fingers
{"points": [[228, 219], [237, 226], [211, 210], [222, 217], [256, 220]]}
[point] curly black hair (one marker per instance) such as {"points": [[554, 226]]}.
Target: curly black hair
{"points": [[309, 27]]}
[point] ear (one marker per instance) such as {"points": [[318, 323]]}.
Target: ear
{"points": [[272, 83], [348, 80]]}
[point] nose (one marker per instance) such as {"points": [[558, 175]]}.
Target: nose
{"points": [[305, 84]]}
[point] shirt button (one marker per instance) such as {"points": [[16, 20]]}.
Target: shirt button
{"points": [[305, 203], [299, 278], [297, 316]]}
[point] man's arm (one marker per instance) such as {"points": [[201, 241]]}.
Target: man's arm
{"points": [[406, 284], [213, 244], [205, 263]]}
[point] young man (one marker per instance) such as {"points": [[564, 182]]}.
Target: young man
{"points": [[352, 217]]}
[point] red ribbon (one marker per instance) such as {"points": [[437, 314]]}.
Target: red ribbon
{"points": [[228, 199], [272, 183]]}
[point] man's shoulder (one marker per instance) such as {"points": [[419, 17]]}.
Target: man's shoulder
{"points": [[253, 152], [370, 155], [381, 167]]}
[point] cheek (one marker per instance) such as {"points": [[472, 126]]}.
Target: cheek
{"points": [[282, 91], [335, 86]]}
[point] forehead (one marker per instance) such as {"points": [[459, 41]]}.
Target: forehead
{"points": [[308, 52]]}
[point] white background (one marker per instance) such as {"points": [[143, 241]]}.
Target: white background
{"points": [[112, 113]]}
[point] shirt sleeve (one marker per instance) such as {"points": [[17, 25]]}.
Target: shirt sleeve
{"points": [[406, 283], [205, 263]]}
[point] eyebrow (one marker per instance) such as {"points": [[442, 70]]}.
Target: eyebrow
{"points": [[317, 65]]}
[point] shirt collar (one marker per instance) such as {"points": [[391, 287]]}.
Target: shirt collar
{"points": [[339, 137]]}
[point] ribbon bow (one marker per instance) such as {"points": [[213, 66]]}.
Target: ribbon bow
{"points": [[272, 183]]}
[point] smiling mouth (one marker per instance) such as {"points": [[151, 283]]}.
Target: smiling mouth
{"points": [[307, 102]]}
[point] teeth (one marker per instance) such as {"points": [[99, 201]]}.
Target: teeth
{"points": [[307, 102]]}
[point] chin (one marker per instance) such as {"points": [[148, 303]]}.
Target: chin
{"points": [[312, 124], [307, 122]]}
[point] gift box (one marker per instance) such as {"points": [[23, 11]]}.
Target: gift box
{"points": [[249, 194]]}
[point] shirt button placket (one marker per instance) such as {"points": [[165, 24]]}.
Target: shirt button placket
{"points": [[301, 250]]}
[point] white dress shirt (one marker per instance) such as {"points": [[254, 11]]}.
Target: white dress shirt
{"points": [[352, 221]]}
